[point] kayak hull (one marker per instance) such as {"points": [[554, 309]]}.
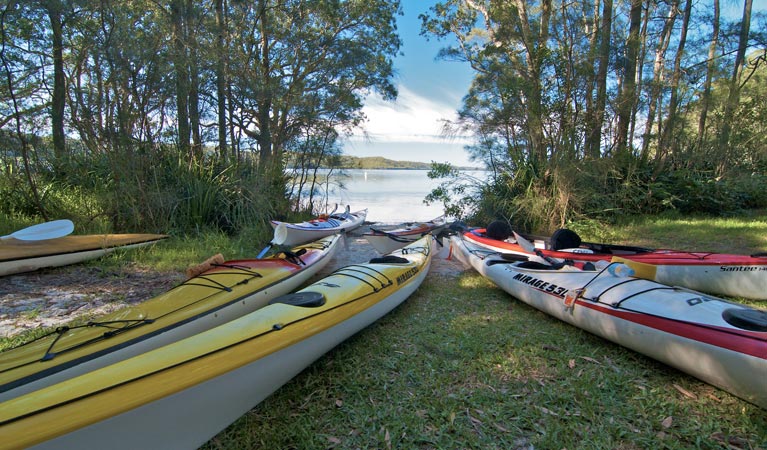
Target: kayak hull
{"points": [[683, 329], [180, 395], [215, 297], [299, 233], [17, 256], [386, 239], [715, 273]]}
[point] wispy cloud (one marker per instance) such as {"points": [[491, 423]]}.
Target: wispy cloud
{"points": [[412, 118]]}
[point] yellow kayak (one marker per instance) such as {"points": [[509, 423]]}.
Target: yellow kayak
{"points": [[181, 395], [17, 256], [224, 292]]}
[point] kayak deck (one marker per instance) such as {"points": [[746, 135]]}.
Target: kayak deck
{"points": [[12, 249]]}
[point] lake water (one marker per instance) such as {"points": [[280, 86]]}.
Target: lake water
{"points": [[391, 196]]}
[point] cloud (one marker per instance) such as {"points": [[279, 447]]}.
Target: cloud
{"points": [[413, 118]]}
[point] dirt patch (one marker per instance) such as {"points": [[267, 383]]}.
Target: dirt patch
{"points": [[52, 297]]}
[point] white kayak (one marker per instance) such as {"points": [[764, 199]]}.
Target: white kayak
{"points": [[298, 233], [181, 395], [719, 342], [716, 273], [387, 238]]}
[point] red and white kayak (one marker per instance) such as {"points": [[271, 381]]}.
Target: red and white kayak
{"points": [[719, 342], [387, 238], [715, 273], [299, 233]]}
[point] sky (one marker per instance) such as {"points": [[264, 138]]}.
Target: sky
{"points": [[430, 91]]}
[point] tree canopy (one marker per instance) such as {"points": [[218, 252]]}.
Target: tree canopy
{"points": [[575, 100], [111, 89]]}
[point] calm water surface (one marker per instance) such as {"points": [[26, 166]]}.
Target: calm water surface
{"points": [[390, 195]]}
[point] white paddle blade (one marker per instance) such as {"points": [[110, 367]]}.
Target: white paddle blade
{"points": [[42, 231], [524, 243], [280, 234]]}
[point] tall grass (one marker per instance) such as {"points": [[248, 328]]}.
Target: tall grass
{"points": [[155, 189], [542, 199]]}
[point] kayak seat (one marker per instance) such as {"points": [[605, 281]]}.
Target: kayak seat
{"points": [[307, 299], [499, 230], [746, 319], [564, 238], [535, 265], [389, 259]]}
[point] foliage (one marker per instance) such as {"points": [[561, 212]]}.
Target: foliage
{"points": [[138, 89], [599, 190], [568, 131], [154, 190]]}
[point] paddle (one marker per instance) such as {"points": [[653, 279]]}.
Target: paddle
{"points": [[530, 247], [280, 235], [42, 231]]}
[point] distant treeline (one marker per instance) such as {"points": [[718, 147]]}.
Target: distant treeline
{"points": [[379, 162]]}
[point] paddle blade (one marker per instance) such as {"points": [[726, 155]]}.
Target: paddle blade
{"points": [[524, 243], [42, 231], [280, 234]]}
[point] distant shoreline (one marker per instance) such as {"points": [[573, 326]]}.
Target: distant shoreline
{"points": [[381, 163]]}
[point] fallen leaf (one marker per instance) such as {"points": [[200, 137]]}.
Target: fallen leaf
{"points": [[387, 439], [339, 403], [548, 411], [500, 428], [667, 422], [334, 440], [713, 397], [734, 442], [684, 391], [590, 359], [571, 364]]}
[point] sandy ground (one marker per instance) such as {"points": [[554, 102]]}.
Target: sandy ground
{"points": [[52, 297]]}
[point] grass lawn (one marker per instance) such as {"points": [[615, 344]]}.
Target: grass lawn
{"points": [[461, 364]]}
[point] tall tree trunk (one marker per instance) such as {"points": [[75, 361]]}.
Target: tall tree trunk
{"points": [[221, 78], [628, 95], [590, 114], [657, 81], [734, 92], [667, 143], [194, 78], [535, 45], [182, 75], [640, 68], [594, 136], [58, 97], [264, 137], [710, 67]]}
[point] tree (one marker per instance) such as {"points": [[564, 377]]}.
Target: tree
{"points": [[54, 10], [300, 62], [710, 67], [628, 94], [734, 88], [594, 130]]}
